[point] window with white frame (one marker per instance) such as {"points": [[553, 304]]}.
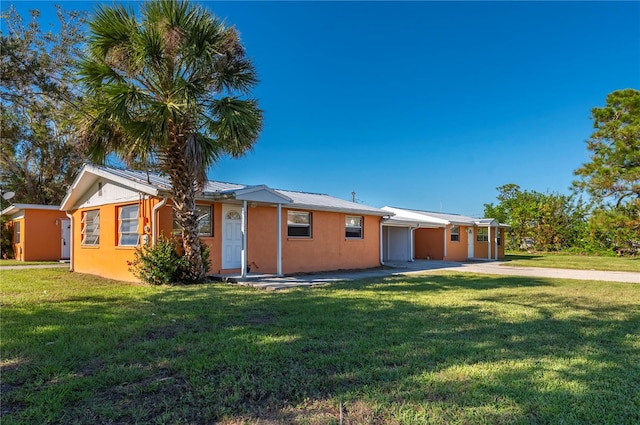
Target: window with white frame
{"points": [[483, 234], [16, 228], [455, 233], [128, 226], [498, 237], [353, 226], [299, 224], [90, 230], [204, 214]]}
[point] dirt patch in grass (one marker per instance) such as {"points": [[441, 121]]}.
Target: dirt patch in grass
{"points": [[313, 412]]}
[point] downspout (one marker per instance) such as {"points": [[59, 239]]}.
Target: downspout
{"points": [[412, 243], [444, 257], [70, 241], [154, 212], [381, 242], [381, 239]]}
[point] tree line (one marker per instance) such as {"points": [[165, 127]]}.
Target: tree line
{"points": [[169, 89], [602, 215]]}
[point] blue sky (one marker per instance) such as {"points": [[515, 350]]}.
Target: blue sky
{"points": [[426, 105]]}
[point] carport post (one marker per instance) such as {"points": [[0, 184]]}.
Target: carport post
{"points": [[279, 242], [489, 245]]}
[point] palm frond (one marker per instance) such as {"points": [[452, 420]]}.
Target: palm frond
{"points": [[237, 124]]}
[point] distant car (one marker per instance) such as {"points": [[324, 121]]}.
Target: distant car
{"points": [[527, 243]]}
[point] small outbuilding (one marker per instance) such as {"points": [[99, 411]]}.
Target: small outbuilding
{"points": [[40, 232], [414, 234]]}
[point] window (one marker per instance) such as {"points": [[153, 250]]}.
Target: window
{"points": [[17, 230], [299, 224], [90, 228], [483, 235], [128, 226], [353, 226], [205, 227], [498, 235], [455, 234]]}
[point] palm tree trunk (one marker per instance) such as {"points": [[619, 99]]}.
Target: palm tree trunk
{"points": [[184, 206]]}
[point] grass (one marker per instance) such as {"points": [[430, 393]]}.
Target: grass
{"points": [[10, 262], [573, 261], [436, 349]]}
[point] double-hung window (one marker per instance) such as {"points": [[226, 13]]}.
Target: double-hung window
{"points": [[353, 226], [483, 234], [90, 230], [204, 219], [455, 234], [299, 224], [128, 226]]}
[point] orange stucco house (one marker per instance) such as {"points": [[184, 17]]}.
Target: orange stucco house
{"points": [[414, 234], [40, 232], [257, 228]]}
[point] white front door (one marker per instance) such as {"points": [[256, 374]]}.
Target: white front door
{"points": [[470, 242], [231, 236], [65, 239]]}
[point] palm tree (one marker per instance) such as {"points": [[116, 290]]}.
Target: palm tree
{"points": [[169, 90]]}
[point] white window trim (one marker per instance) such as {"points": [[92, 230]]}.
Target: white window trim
{"points": [[485, 235], [121, 221]]}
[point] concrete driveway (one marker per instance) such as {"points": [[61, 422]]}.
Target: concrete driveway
{"points": [[434, 266]]}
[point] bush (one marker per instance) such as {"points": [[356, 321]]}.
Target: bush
{"points": [[6, 234], [161, 265]]}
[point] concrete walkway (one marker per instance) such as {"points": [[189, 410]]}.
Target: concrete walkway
{"points": [[433, 266]]}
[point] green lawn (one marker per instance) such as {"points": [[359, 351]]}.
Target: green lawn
{"points": [[571, 261], [436, 349]]}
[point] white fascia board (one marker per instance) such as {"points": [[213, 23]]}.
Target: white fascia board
{"points": [[424, 219], [399, 222], [339, 210]]}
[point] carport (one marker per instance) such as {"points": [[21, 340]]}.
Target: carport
{"points": [[397, 231]]}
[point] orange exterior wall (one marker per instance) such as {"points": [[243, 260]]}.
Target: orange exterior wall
{"points": [[40, 236], [327, 249], [107, 259], [480, 248], [429, 244], [457, 250]]}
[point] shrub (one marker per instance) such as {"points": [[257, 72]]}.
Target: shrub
{"points": [[6, 234], [161, 265]]}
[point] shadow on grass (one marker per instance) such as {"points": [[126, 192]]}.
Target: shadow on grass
{"points": [[514, 257], [499, 349]]}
